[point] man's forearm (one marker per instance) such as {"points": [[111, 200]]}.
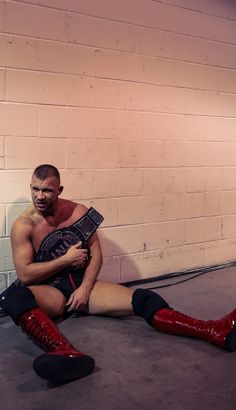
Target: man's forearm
{"points": [[92, 271], [38, 271]]}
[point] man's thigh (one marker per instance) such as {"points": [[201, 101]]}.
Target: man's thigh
{"points": [[49, 299], [109, 298]]}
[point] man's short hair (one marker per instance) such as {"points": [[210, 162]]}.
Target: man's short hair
{"points": [[46, 170]]}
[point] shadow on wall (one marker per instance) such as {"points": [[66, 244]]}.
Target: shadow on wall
{"points": [[12, 214], [118, 266]]}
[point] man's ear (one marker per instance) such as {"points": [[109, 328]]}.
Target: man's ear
{"points": [[60, 189]]}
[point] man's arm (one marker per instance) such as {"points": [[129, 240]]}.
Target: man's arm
{"points": [[80, 296], [30, 272]]}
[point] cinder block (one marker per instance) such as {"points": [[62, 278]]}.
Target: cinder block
{"points": [[11, 277], [164, 180], [219, 54], [221, 153], [141, 238], [15, 186], [12, 212], [183, 258], [182, 74], [116, 183], [192, 4], [219, 252], [2, 14], [43, 150], [92, 153], [199, 179], [119, 124], [181, 128], [81, 122], [2, 84], [202, 230], [45, 88], [141, 265], [211, 203], [2, 149], [187, 101], [138, 210], [163, 126], [36, 87], [99, 32], [228, 226], [151, 264], [119, 65], [109, 208], [227, 202], [110, 271], [117, 241], [25, 119], [35, 21], [217, 8], [202, 25], [229, 178], [2, 221], [164, 235], [201, 154], [107, 8], [3, 281], [180, 19], [227, 81], [77, 59], [6, 261], [144, 97], [142, 154], [18, 52], [182, 206], [176, 153], [69, 122], [182, 47], [78, 184], [100, 93]]}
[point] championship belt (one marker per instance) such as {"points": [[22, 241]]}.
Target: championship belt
{"points": [[57, 243]]}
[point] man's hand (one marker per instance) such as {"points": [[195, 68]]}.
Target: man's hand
{"points": [[76, 257], [78, 299]]}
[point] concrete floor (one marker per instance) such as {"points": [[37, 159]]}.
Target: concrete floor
{"points": [[136, 367]]}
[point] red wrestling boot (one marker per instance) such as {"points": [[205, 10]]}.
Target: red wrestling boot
{"points": [[221, 333], [63, 362]]}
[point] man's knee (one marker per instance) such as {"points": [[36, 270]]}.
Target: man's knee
{"points": [[54, 308], [17, 300], [49, 299], [146, 303]]}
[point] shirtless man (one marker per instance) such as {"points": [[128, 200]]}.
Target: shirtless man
{"points": [[68, 282]]}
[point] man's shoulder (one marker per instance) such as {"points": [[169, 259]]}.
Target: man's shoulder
{"points": [[24, 221], [72, 210], [79, 210]]}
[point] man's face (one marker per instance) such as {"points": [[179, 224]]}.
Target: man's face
{"points": [[45, 193]]}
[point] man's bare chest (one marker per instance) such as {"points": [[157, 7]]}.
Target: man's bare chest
{"points": [[43, 229]]}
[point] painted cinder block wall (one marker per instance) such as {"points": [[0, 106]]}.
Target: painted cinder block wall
{"points": [[134, 101]]}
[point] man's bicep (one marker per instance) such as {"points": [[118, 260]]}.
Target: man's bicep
{"points": [[94, 244], [22, 250]]}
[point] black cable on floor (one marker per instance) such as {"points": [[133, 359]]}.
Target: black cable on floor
{"points": [[195, 272], [177, 283]]}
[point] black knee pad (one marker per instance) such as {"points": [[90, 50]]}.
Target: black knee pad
{"points": [[16, 300], [146, 303]]}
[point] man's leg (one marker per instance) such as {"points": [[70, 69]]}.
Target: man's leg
{"points": [[107, 298], [29, 308], [111, 299]]}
